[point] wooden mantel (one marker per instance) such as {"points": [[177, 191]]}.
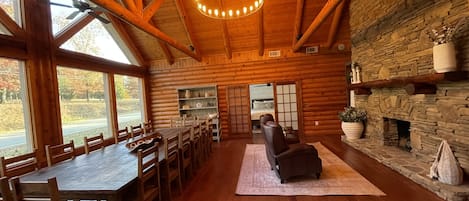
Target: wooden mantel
{"points": [[419, 84]]}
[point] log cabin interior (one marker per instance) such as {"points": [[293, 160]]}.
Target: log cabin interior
{"points": [[71, 69]]}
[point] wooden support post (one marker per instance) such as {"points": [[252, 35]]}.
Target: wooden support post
{"points": [[335, 24], [298, 19], [261, 31]]}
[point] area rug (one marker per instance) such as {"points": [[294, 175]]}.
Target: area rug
{"points": [[337, 178]]}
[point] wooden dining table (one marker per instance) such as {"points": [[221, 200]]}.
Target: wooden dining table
{"points": [[103, 174]]}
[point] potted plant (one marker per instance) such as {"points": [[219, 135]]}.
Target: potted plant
{"points": [[352, 122], [444, 53]]}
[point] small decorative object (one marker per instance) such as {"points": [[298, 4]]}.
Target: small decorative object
{"points": [[207, 94], [186, 107], [188, 93], [446, 168], [198, 105], [356, 78], [444, 53], [352, 122]]}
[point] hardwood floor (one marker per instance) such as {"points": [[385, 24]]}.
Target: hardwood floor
{"points": [[217, 179]]}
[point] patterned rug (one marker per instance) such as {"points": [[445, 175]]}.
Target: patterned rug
{"points": [[337, 177]]}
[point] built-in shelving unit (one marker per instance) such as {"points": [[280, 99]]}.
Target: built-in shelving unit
{"points": [[200, 102], [419, 84]]}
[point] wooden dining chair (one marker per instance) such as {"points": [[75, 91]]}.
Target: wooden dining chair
{"points": [[58, 153], [173, 170], [18, 165], [176, 122], [149, 187], [203, 140], [93, 143], [147, 127], [136, 130], [121, 135], [209, 136], [5, 191], [185, 154], [195, 146], [35, 190]]}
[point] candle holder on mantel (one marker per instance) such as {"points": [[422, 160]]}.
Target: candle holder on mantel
{"points": [[356, 71]]}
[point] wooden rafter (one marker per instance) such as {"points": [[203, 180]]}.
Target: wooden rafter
{"points": [[261, 32], [130, 4], [138, 21], [167, 53], [298, 20], [11, 25], [318, 20], [124, 35], [226, 35], [335, 24], [188, 26], [151, 9], [73, 28], [139, 6], [226, 40]]}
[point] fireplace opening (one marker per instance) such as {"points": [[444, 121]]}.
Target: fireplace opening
{"points": [[397, 133]]}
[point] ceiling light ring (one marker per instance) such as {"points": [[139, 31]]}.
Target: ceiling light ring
{"points": [[229, 13]]}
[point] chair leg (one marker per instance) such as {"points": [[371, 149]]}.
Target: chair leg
{"points": [[180, 184], [169, 189]]}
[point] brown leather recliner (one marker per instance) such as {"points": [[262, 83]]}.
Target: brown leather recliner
{"points": [[290, 160], [264, 119]]}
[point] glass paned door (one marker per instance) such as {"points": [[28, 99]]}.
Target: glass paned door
{"points": [[287, 106], [238, 110]]}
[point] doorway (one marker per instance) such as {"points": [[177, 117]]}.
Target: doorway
{"points": [[261, 102], [239, 123]]}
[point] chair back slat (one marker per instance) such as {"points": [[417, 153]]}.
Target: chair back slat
{"points": [[36, 190], [5, 191], [61, 152], [121, 135], [18, 165]]}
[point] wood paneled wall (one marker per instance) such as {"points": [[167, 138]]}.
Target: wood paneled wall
{"points": [[322, 78]]}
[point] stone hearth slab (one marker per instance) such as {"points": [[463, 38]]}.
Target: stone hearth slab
{"points": [[410, 166]]}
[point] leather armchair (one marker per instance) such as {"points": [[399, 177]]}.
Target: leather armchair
{"points": [[290, 160], [264, 119]]}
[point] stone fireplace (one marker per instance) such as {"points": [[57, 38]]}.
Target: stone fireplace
{"points": [[393, 44]]}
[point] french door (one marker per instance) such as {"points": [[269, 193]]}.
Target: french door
{"points": [[239, 118], [287, 105]]}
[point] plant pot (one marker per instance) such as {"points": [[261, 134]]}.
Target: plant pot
{"points": [[352, 130], [444, 58]]}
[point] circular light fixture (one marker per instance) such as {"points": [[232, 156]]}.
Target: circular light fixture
{"points": [[220, 12]]}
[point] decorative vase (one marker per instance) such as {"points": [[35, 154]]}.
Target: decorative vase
{"points": [[352, 130], [188, 94], [444, 57]]}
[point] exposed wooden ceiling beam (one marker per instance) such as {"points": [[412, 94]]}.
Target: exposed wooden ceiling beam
{"points": [[298, 20], [261, 31], [335, 24], [151, 9], [124, 35], [139, 6], [188, 26], [11, 25], [130, 4], [73, 28], [139, 22], [226, 35], [226, 40], [318, 20], [167, 53]]}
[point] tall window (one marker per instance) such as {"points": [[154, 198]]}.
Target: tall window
{"points": [[15, 134], [83, 104], [129, 100]]}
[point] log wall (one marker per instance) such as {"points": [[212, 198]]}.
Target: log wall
{"points": [[323, 85]]}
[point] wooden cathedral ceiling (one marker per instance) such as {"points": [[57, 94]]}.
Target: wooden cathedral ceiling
{"points": [[174, 25]]}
